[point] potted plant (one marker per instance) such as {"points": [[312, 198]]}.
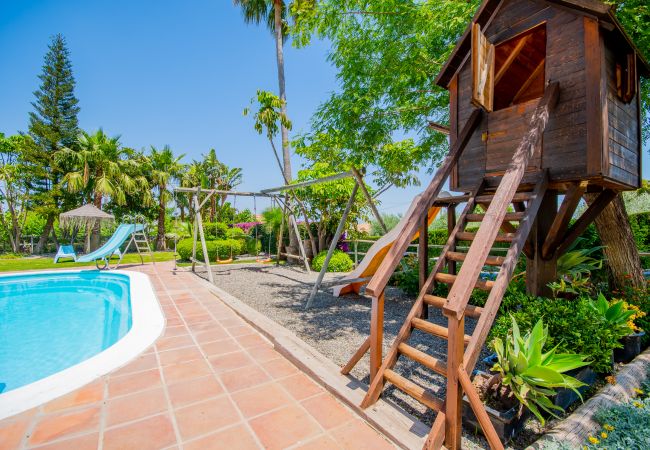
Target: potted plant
{"points": [[620, 316], [525, 378]]}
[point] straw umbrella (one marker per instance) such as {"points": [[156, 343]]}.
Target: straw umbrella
{"points": [[85, 217]]}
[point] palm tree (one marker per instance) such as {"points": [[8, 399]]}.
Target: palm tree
{"points": [[191, 177], [101, 168], [212, 170], [164, 168], [273, 14]]}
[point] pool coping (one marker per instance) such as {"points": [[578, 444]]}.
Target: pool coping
{"points": [[148, 323]]}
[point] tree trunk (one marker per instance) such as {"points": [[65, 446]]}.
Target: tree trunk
{"points": [[47, 229], [622, 256], [96, 232], [286, 156], [160, 239]]}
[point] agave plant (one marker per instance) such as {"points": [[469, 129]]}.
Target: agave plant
{"points": [[615, 314], [532, 375], [578, 262]]}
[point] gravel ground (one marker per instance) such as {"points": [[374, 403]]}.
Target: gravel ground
{"points": [[338, 326]]}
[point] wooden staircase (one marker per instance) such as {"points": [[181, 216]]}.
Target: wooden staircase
{"points": [[495, 226]]}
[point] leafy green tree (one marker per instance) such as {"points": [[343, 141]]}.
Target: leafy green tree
{"points": [[164, 169], [53, 125], [273, 13], [14, 193], [212, 169], [229, 179]]}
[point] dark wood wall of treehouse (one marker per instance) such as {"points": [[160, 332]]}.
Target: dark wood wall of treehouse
{"points": [[592, 134]]}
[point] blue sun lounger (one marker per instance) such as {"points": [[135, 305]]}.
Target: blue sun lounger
{"points": [[65, 251]]}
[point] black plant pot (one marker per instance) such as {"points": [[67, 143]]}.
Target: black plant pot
{"points": [[506, 423], [566, 397], [631, 347]]}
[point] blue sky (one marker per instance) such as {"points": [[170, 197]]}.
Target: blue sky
{"points": [[168, 72]]}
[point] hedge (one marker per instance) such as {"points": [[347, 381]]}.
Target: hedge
{"points": [[223, 246]]}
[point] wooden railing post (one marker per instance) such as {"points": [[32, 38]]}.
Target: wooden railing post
{"points": [[451, 224], [376, 334], [423, 258], [454, 400]]}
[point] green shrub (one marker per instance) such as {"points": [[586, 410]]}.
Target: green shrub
{"points": [[574, 326], [235, 233], [340, 262], [223, 247], [625, 425], [215, 230]]}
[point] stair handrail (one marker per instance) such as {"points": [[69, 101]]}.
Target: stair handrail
{"points": [[470, 271], [387, 267]]}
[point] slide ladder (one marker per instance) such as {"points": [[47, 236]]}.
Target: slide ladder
{"points": [[490, 209]]}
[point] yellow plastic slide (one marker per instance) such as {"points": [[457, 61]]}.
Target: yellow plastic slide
{"points": [[376, 254]]}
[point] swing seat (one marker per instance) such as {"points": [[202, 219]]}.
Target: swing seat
{"points": [[224, 261]]}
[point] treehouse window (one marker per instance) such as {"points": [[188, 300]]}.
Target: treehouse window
{"points": [[519, 68]]}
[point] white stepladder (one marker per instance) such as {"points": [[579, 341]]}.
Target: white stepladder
{"points": [[139, 239]]}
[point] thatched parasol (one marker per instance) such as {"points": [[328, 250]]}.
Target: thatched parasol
{"points": [[84, 217]]}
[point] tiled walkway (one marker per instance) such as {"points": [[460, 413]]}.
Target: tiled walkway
{"points": [[211, 382]]}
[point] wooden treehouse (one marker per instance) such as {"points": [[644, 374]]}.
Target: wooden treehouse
{"points": [[543, 102]]}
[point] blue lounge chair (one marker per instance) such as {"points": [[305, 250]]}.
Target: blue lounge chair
{"points": [[112, 246], [65, 251]]}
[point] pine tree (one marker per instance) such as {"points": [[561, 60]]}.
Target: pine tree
{"points": [[53, 125]]}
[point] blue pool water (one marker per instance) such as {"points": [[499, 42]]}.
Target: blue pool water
{"points": [[49, 322]]}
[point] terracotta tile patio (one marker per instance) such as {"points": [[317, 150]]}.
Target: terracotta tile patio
{"points": [[210, 382]]}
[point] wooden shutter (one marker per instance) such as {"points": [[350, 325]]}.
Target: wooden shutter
{"points": [[482, 69], [626, 78]]}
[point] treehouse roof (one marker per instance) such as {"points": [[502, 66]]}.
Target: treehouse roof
{"points": [[488, 8]]}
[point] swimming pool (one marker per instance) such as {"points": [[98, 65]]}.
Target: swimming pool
{"points": [[60, 330]]}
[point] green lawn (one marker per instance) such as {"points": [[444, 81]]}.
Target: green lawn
{"points": [[40, 263]]}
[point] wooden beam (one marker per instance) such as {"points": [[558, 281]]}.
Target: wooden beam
{"points": [[461, 291], [357, 175], [454, 395], [362, 350], [423, 258], [563, 217], [479, 410], [511, 58], [580, 225], [376, 335], [439, 127], [437, 434], [394, 255], [529, 81], [288, 187]]}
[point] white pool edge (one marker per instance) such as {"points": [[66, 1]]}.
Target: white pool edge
{"points": [[148, 323]]}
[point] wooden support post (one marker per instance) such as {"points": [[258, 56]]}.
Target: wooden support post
{"points": [[479, 410], [301, 247], [335, 241], [194, 236], [540, 271], [204, 246], [451, 224], [284, 214], [423, 256], [356, 357], [563, 217], [376, 334], [371, 202], [454, 400]]}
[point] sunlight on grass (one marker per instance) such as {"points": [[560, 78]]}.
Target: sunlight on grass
{"points": [[41, 263]]}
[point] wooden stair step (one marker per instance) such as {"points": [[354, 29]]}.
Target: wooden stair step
{"points": [[518, 197], [501, 237], [448, 278], [439, 302], [426, 360], [460, 257], [516, 216], [422, 395], [432, 328], [451, 200]]}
